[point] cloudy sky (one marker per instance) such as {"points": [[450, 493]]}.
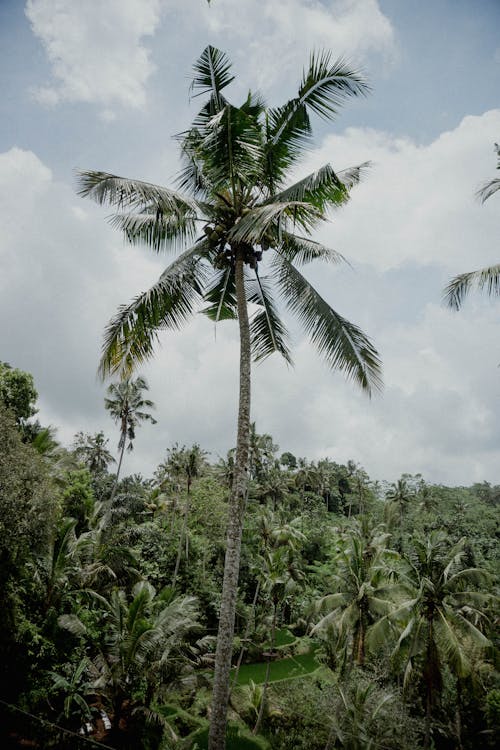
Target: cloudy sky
{"points": [[103, 84]]}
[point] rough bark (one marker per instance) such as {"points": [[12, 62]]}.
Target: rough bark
{"points": [[220, 695]]}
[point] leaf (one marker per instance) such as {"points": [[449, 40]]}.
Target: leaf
{"points": [[222, 296], [130, 336], [109, 189], [267, 332], [344, 345], [302, 250], [212, 72], [485, 279], [253, 226]]}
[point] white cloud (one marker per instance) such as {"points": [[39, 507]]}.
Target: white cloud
{"points": [[275, 38], [413, 223], [417, 203], [95, 49]]}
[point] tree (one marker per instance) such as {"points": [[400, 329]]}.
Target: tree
{"points": [[236, 161], [18, 392], [141, 649], [93, 451], [485, 279], [126, 406], [364, 587], [442, 619], [190, 464]]}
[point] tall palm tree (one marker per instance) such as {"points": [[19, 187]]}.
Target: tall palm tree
{"points": [[127, 406], [190, 463], [485, 279], [234, 209]]}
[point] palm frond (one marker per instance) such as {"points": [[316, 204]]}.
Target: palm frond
{"points": [[157, 230], [487, 279], [221, 295], [231, 149], [302, 250], [343, 344], [325, 86], [122, 192], [130, 336], [212, 72], [253, 226], [267, 332], [488, 189], [322, 188]]}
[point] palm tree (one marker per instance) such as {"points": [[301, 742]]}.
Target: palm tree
{"points": [[441, 619], [487, 279], [126, 406], [365, 587], [190, 462], [236, 160], [142, 645], [93, 451]]}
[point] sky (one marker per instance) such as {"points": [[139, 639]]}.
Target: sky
{"points": [[104, 84]]}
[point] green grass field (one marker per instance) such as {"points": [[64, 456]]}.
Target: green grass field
{"points": [[282, 669]]}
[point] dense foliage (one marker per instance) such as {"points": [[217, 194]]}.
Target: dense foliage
{"points": [[363, 607]]}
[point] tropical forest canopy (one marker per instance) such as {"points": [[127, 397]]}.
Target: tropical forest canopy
{"points": [[363, 607]]}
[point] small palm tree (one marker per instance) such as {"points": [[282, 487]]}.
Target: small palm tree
{"points": [[486, 279], [93, 451], [441, 620], [365, 587], [142, 648], [127, 406], [236, 163]]}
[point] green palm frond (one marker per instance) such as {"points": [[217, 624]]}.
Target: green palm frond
{"points": [[322, 188], [221, 294], [302, 250], [267, 332], [212, 73], [343, 344], [112, 190], [130, 336], [492, 186], [488, 189], [258, 221], [487, 279], [325, 86], [232, 149], [156, 229]]}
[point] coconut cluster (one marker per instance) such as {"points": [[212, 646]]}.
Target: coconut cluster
{"points": [[226, 254]]}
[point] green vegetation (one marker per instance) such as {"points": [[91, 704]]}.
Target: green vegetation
{"points": [[361, 608]]}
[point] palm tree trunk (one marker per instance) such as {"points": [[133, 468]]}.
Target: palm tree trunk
{"points": [[181, 542], [118, 469], [268, 670], [220, 696]]}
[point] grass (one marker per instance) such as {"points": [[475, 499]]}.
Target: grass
{"points": [[283, 637], [237, 738], [282, 669]]}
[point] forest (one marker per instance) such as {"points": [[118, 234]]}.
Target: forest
{"points": [[365, 615]]}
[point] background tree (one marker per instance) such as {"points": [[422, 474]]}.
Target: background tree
{"points": [[18, 392], [486, 279], [126, 406], [92, 450], [236, 161]]}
